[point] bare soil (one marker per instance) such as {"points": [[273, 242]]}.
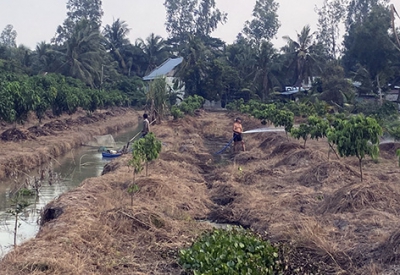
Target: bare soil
{"points": [[328, 221]]}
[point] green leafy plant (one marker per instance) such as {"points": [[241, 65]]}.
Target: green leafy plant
{"points": [[356, 136], [232, 251], [144, 150], [235, 105], [315, 128], [303, 131], [176, 112], [283, 118], [188, 106], [318, 127]]}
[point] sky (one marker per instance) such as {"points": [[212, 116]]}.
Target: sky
{"points": [[37, 20]]}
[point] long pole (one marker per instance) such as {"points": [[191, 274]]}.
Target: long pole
{"points": [[140, 132]]}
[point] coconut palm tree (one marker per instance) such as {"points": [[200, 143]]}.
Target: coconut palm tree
{"points": [[155, 50], [266, 69], [116, 41], [82, 54], [303, 59]]}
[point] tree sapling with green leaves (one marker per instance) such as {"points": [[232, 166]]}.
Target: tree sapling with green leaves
{"points": [[145, 150], [18, 206], [356, 136]]}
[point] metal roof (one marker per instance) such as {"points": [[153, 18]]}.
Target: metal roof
{"points": [[164, 68], [292, 90]]}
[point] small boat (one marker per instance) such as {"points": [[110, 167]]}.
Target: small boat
{"points": [[110, 155]]}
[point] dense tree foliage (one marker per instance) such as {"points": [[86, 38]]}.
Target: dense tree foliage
{"points": [[89, 66], [265, 23], [330, 16], [356, 136]]}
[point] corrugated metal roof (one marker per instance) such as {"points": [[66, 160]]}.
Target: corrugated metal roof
{"points": [[164, 68], [292, 90]]}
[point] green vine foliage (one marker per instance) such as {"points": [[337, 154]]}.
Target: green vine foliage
{"points": [[356, 136], [234, 251]]}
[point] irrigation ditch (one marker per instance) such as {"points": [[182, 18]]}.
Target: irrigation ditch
{"points": [[63, 164]]}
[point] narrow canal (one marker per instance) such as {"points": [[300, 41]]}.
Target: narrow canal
{"points": [[66, 173]]}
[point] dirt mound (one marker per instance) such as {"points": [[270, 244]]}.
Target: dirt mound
{"points": [[217, 175], [328, 172], [260, 176], [179, 157], [356, 197], [272, 140], [38, 131], [87, 119], [285, 148], [224, 194], [71, 122], [388, 150], [56, 125], [301, 158], [389, 251], [247, 157], [15, 134], [298, 200], [111, 166]]}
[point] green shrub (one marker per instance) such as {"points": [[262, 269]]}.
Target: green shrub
{"points": [[235, 105], [187, 106], [232, 251], [176, 112]]}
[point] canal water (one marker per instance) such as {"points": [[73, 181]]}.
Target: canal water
{"points": [[61, 175]]}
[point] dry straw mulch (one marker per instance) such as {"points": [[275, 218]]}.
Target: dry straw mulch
{"points": [[323, 217]]}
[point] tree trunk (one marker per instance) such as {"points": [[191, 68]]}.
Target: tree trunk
{"points": [[379, 90], [361, 172], [147, 164], [333, 149]]}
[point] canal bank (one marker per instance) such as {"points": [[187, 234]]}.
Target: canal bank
{"points": [[58, 137], [57, 176], [68, 172]]}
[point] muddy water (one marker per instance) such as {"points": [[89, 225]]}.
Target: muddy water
{"points": [[66, 172]]}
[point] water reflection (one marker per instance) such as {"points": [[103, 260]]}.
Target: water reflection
{"points": [[68, 172]]}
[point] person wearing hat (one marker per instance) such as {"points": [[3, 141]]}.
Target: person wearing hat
{"points": [[237, 134]]}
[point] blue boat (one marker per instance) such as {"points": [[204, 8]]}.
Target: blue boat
{"points": [[110, 155]]}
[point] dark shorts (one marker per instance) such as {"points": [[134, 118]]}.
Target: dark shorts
{"points": [[237, 137]]}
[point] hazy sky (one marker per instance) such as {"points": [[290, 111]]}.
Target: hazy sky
{"points": [[37, 20]]}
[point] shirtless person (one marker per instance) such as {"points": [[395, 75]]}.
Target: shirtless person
{"points": [[237, 134]]}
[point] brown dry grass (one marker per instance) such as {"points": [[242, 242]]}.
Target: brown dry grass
{"points": [[327, 221], [28, 154]]}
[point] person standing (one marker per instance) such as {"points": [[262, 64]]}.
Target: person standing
{"points": [[146, 125], [237, 134]]}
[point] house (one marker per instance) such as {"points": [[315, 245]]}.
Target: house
{"points": [[167, 70]]}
